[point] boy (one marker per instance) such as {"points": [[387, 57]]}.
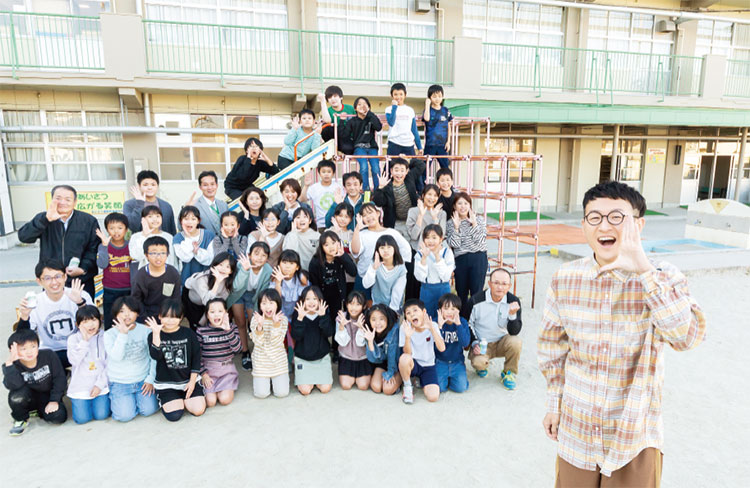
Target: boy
{"points": [[36, 381], [207, 204], [495, 322], [606, 321], [331, 107], [397, 195], [403, 135], [354, 198], [52, 312], [248, 168], [444, 177], [302, 126], [321, 194], [151, 222], [437, 127], [157, 281], [419, 337], [113, 257], [451, 370], [144, 194]]}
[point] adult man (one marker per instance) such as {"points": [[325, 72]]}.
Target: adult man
{"points": [[144, 194], [210, 207], [66, 235], [495, 322], [606, 320]]}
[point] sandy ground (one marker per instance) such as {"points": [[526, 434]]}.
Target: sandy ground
{"points": [[486, 435]]}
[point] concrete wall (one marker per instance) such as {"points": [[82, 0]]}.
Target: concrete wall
{"points": [[652, 186], [550, 151], [585, 169]]}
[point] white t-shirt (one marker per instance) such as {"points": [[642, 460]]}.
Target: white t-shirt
{"points": [[400, 133], [322, 200], [367, 241], [422, 345], [55, 321]]}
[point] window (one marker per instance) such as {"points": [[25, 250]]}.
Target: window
{"points": [[525, 146], [89, 8], [630, 155], [514, 22], [63, 157], [725, 38], [692, 161], [627, 32], [258, 13]]}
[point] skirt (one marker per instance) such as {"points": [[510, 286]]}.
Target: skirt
{"points": [[313, 372], [355, 369], [224, 376]]}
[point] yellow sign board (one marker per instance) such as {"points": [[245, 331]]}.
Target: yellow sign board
{"points": [[656, 155], [96, 202]]}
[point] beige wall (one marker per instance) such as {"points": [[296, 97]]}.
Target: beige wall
{"points": [[549, 149], [673, 175], [652, 186], [585, 170]]}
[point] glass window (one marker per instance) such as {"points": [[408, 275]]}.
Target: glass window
{"points": [[513, 22], [28, 118], [256, 13]]}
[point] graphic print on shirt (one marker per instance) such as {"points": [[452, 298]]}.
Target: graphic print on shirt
{"points": [[450, 336], [330, 278], [59, 324], [326, 200], [37, 376], [136, 351], [175, 354]]}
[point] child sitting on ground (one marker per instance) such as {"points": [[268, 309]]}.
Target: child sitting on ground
{"points": [[157, 281], [113, 257], [229, 239], [381, 333], [151, 225], [419, 337], [311, 330], [220, 341], [303, 238], [353, 364], [321, 194], [450, 363], [268, 329]]}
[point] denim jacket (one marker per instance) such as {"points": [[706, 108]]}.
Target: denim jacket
{"points": [[388, 351]]}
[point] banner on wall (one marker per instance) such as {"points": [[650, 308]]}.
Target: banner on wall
{"points": [[656, 156], [96, 202]]}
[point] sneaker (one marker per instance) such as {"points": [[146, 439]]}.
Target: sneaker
{"points": [[408, 395], [18, 427], [34, 413], [509, 380], [247, 363], [482, 373]]}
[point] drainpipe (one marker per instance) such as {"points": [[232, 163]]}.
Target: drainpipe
{"points": [[738, 175], [615, 152], [147, 108], [713, 167]]}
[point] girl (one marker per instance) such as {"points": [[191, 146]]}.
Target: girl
{"points": [[89, 386], [360, 132], [381, 334], [178, 363], [258, 279], [329, 269], [342, 217], [216, 282], [428, 211], [248, 168], [353, 364], [303, 237], [268, 232], [268, 329], [290, 191], [220, 341], [387, 274], [192, 245], [433, 267], [229, 239], [466, 234], [253, 204], [289, 281], [311, 328]]}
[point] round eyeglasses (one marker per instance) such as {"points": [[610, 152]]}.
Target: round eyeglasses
{"points": [[615, 217]]}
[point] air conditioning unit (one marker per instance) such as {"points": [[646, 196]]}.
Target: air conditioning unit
{"points": [[665, 26], [422, 6]]}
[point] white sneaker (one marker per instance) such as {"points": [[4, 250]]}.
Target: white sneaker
{"points": [[408, 395]]}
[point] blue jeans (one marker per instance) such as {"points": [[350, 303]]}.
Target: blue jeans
{"points": [[374, 164], [92, 409], [396, 150], [435, 150], [430, 293], [127, 401], [452, 375]]}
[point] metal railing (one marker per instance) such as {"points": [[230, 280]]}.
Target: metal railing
{"points": [[223, 50], [737, 82], [607, 72], [49, 41]]}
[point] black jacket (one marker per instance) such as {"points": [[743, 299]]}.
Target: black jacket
{"points": [[55, 242], [344, 265], [361, 132], [385, 199], [514, 326], [311, 336], [48, 376], [244, 174]]}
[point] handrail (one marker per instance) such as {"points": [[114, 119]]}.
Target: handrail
{"points": [[307, 137]]}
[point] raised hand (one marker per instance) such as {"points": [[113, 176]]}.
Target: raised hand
{"points": [[13, 356], [335, 226], [309, 178], [24, 310], [277, 275], [225, 321], [154, 325], [384, 179], [137, 194], [103, 237], [341, 319], [632, 257], [435, 212], [360, 223], [426, 319], [52, 212], [278, 319], [245, 210], [323, 308], [407, 328], [244, 261], [193, 198], [295, 122], [258, 321], [120, 326], [369, 333], [424, 252], [421, 207], [76, 288], [85, 335], [294, 226], [376, 262], [339, 249], [456, 220], [264, 233], [427, 103], [472, 217], [513, 308], [300, 309], [441, 319], [218, 275], [360, 323], [196, 247], [338, 195], [322, 100], [145, 226]]}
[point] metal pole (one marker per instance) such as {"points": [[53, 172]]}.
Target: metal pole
{"points": [[713, 168], [615, 151], [738, 175]]}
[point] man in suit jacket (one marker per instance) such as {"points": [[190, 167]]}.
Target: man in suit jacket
{"points": [[144, 194], [210, 207]]}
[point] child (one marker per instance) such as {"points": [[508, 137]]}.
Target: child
{"points": [[450, 363], [387, 275], [151, 225], [437, 127], [144, 195], [343, 217], [248, 168], [289, 280], [268, 329], [290, 192], [311, 328], [360, 134], [253, 204], [416, 337], [259, 277], [353, 364], [329, 269], [353, 197], [302, 126], [193, 245], [397, 196], [89, 387], [466, 234], [220, 341], [219, 281], [444, 177], [433, 267], [403, 135], [268, 232], [428, 211], [381, 334], [303, 238], [113, 257], [321, 194], [334, 97], [178, 363], [157, 281], [229, 239], [52, 312], [130, 368], [36, 381]]}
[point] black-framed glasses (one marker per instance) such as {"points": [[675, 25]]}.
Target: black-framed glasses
{"points": [[615, 217]]}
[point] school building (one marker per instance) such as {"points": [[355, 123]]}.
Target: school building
{"points": [[655, 93]]}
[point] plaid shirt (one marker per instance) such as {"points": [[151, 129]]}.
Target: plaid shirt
{"points": [[600, 349]]}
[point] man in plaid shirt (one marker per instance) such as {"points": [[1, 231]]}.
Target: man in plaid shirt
{"points": [[606, 320]]}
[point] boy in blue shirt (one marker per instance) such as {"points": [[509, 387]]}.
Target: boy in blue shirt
{"points": [[451, 369], [302, 126], [437, 127]]}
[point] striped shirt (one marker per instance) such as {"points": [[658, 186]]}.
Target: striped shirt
{"points": [[218, 345], [600, 348], [467, 238], [269, 355]]}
